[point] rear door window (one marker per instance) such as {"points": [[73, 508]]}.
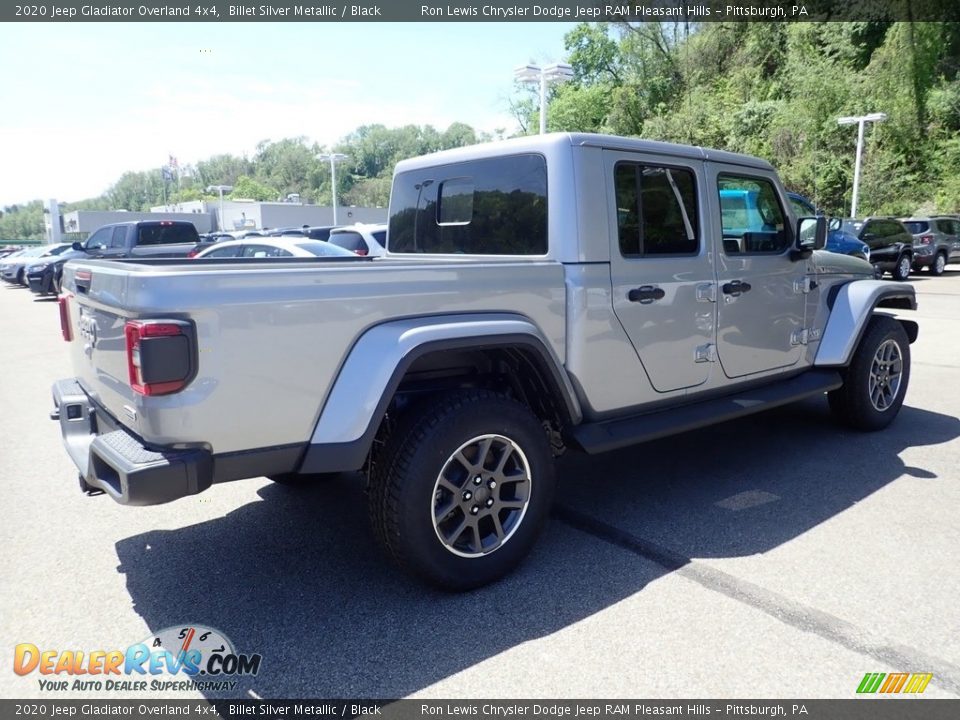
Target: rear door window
{"points": [[656, 210]]}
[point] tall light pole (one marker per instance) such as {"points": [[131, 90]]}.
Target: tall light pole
{"points": [[551, 74], [859, 120], [334, 158], [220, 189]]}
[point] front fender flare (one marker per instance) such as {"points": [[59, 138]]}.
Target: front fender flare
{"points": [[851, 309]]}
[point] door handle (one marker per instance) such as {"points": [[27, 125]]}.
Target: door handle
{"points": [[645, 294], [736, 288]]}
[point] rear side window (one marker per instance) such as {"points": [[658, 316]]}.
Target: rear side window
{"points": [[656, 210], [493, 206], [917, 226], [163, 234], [753, 219]]}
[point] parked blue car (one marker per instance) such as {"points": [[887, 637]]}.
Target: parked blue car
{"points": [[838, 240]]}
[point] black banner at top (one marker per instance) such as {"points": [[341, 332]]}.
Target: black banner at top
{"points": [[482, 11]]}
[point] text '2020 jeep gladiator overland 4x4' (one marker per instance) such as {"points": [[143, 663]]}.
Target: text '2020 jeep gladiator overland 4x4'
{"points": [[562, 290]]}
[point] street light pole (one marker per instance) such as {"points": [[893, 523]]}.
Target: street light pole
{"points": [[220, 189], [555, 73], [334, 158], [860, 121]]}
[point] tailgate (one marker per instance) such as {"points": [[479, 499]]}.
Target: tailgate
{"points": [[101, 330]]}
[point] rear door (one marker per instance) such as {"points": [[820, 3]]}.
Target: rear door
{"points": [[661, 273], [760, 308]]}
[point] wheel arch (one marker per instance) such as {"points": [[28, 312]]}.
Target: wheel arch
{"points": [[851, 307], [387, 356]]}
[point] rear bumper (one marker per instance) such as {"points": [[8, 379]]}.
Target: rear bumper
{"points": [[110, 458]]}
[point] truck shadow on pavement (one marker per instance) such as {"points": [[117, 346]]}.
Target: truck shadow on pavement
{"points": [[297, 578]]}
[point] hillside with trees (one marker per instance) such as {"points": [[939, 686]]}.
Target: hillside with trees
{"points": [[776, 90], [769, 89]]}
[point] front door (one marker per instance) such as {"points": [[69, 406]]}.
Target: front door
{"points": [[661, 273], [760, 308]]}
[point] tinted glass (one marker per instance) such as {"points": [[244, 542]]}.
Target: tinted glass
{"points": [[917, 226], [100, 239], [656, 210], [323, 249], [264, 251], [381, 237], [753, 219], [351, 241], [318, 233], [801, 208], [494, 206], [119, 238], [224, 252], [160, 234]]}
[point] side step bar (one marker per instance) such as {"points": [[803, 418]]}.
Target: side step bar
{"points": [[607, 435]]}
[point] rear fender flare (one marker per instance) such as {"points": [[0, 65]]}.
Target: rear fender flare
{"points": [[375, 366]]}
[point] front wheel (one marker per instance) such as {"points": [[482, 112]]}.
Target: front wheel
{"points": [[462, 489], [902, 270], [876, 381]]}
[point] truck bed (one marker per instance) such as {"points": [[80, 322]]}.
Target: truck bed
{"points": [[272, 335]]}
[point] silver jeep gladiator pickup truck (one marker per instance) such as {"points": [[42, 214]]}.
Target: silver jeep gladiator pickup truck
{"points": [[540, 293]]}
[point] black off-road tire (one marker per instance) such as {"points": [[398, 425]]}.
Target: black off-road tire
{"points": [[852, 403], [901, 271], [405, 487]]}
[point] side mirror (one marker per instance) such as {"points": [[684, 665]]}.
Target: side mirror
{"points": [[77, 245], [811, 233]]}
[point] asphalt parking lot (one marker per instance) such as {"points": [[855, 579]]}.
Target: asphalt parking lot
{"points": [[779, 556]]}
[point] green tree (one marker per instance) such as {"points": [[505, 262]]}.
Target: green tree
{"points": [[246, 188]]}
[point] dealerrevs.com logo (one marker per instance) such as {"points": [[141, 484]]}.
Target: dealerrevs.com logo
{"points": [[188, 657]]}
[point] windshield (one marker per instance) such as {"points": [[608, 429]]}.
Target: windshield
{"points": [[917, 226]]}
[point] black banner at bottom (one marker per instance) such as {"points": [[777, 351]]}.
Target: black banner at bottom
{"points": [[854, 709]]}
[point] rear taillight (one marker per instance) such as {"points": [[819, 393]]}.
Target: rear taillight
{"points": [[159, 356], [65, 329], [925, 239], [192, 253]]}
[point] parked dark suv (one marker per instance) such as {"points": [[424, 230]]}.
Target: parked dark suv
{"points": [[936, 242], [890, 242]]}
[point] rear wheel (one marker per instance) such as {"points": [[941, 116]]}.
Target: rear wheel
{"points": [[462, 489], [939, 264], [902, 269], [876, 381]]}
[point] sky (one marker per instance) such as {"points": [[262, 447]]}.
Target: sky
{"points": [[82, 103]]}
